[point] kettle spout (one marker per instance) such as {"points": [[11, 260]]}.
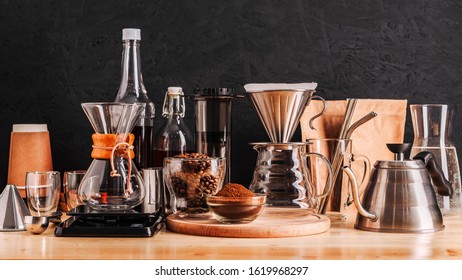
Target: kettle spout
{"points": [[355, 191], [436, 173]]}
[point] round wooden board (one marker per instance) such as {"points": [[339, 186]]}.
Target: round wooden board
{"points": [[273, 222]]}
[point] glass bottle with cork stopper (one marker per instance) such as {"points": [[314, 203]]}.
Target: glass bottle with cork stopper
{"points": [[131, 90], [174, 137]]}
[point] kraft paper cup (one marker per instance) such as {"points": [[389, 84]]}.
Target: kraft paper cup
{"points": [[30, 149]]}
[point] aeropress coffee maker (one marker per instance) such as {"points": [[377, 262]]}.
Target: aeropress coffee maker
{"points": [[281, 171], [213, 123], [112, 185]]}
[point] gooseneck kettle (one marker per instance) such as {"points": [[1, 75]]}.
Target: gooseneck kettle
{"points": [[400, 196]]}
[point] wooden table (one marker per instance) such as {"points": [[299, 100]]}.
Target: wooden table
{"points": [[341, 242]]}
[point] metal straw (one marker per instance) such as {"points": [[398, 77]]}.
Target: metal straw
{"points": [[351, 104], [358, 123]]}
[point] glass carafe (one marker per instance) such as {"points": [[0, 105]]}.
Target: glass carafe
{"points": [[432, 125], [282, 174], [112, 182]]}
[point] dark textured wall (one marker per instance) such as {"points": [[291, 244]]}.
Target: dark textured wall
{"points": [[56, 54]]}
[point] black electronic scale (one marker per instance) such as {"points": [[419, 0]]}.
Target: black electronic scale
{"points": [[85, 222]]}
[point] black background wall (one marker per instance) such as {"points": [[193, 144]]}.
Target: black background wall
{"points": [[56, 54]]}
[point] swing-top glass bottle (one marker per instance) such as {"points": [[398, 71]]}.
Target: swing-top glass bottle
{"points": [[174, 137]]}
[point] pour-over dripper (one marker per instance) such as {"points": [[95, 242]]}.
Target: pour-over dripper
{"points": [[280, 107], [112, 181]]}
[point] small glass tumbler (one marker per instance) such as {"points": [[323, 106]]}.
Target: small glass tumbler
{"points": [[42, 192], [71, 182]]}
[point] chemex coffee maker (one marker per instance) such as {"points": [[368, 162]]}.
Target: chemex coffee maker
{"points": [[112, 185], [281, 172]]}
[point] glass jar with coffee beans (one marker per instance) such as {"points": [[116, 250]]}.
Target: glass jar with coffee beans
{"points": [[190, 177]]}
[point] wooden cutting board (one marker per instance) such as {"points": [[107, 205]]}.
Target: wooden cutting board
{"points": [[273, 222]]}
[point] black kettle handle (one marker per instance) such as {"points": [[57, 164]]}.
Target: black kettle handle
{"points": [[441, 183]]}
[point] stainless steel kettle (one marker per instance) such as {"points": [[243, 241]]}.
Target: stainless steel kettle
{"points": [[400, 196]]}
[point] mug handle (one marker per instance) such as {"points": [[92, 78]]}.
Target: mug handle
{"points": [[324, 106], [329, 181], [366, 164]]}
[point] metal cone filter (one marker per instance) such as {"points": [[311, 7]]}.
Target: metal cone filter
{"points": [[12, 210], [280, 111]]}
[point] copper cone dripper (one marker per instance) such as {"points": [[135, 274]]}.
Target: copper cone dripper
{"points": [[280, 110]]}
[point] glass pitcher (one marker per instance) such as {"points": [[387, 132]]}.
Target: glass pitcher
{"points": [[281, 173], [112, 182], [432, 125], [339, 152]]}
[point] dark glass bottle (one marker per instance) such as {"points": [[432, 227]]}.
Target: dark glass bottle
{"points": [[132, 90], [174, 137]]}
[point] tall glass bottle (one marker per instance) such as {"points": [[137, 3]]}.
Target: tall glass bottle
{"points": [[174, 137], [132, 90]]}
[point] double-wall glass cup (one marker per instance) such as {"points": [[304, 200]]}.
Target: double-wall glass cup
{"points": [[42, 192]]}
